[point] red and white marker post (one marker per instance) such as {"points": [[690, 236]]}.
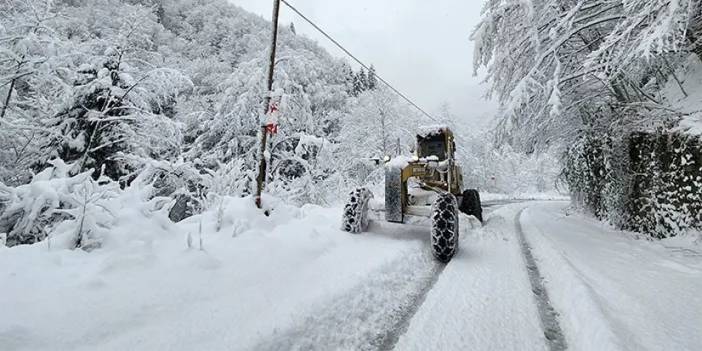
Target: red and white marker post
{"points": [[269, 126]]}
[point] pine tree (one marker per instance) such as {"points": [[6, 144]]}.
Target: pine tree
{"points": [[349, 78], [358, 87], [372, 79], [362, 80]]}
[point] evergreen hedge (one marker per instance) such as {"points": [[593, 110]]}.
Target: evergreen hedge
{"points": [[648, 182]]}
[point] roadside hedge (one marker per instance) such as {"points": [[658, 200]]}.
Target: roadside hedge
{"points": [[647, 182]]}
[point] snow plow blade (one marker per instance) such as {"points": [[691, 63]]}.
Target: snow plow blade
{"points": [[393, 194]]}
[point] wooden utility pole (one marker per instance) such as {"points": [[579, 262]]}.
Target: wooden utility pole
{"points": [[261, 179]]}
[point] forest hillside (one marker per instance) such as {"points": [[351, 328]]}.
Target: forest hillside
{"points": [[166, 97]]}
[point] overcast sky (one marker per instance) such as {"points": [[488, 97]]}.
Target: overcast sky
{"points": [[421, 47]]}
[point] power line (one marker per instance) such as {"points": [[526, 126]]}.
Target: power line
{"points": [[399, 93]]}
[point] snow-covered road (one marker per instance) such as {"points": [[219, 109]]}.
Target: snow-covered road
{"points": [[294, 281], [616, 292], [483, 299]]}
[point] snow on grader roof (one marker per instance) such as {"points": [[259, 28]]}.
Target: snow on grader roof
{"points": [[425, 131]]}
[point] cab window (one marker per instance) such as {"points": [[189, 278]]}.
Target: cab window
{"points": [[432, 145]]}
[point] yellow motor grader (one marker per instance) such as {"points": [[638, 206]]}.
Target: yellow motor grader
{"points": [[428, 185]]}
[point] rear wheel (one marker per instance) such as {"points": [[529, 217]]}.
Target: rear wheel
{"points": [[355, 219], [470, 204], [444, 227]]}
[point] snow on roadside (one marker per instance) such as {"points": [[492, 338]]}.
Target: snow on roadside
{"points": [[365, 316], [255, 277], [615, 292], [483, 299], [484, 196]]}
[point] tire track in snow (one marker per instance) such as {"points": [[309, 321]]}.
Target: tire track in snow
{"points": [[482, 300], [392, 336], [370, 316], [549, 317], [376, 313]]}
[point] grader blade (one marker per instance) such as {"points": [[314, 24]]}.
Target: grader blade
{"points": [[394, 194]]}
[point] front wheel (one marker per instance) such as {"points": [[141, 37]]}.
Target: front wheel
{"points": [[355, 218], [444, 227], [471, 205]]}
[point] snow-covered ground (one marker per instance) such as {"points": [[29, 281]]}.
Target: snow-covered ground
{"points": [[551, 196], [615, 292], [295, 281], [482, 300], [154, 293]]}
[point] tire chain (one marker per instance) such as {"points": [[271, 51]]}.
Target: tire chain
{"points": [[355, 217], [444, 227]]}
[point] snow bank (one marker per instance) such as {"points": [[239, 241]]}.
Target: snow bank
{"points": [[231, 278]]}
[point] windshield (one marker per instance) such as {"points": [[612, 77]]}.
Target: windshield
{"points": [[432, 145]]}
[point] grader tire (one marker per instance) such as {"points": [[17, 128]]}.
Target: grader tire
{"points": [[444, 227], [471, 205], [355, 217]]}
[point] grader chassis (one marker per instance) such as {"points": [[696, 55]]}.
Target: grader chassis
{"points": [[427, 185]]}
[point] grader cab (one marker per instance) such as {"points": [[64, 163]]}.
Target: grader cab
{"points": [[429, 184]]}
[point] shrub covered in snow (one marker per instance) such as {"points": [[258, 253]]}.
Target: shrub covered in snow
{"points": [[29, 212], [79, 211], [648, 182], [92, 215]]}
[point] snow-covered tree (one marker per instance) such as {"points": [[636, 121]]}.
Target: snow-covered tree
{"points": [[557, 66], [360, 82], [29, 86], [372, 78], [119, 105]]}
